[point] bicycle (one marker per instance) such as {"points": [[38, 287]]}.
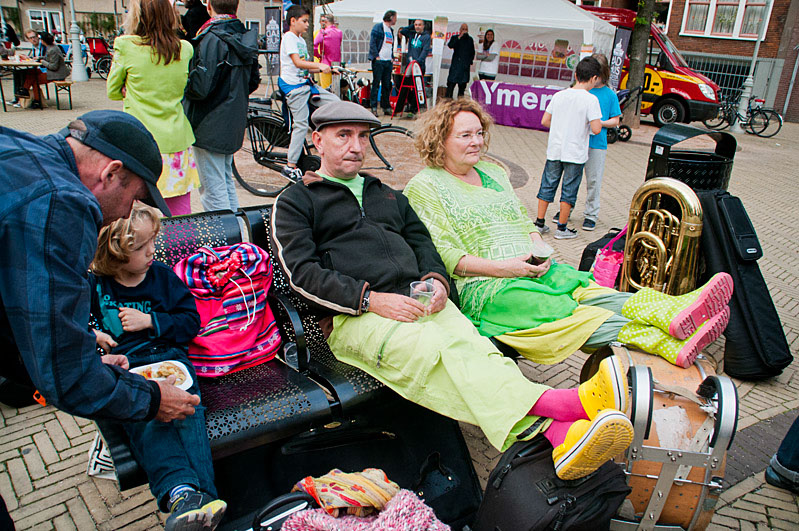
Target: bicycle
{"points": [[391, 157], [758, 121]]}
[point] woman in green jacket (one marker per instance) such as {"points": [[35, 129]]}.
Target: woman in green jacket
{"points": [[150, 69]]}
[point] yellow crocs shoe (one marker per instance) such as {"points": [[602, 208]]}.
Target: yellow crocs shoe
{"points": [[589, 444], [607, 389]]}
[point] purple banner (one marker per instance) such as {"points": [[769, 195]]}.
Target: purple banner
{"points": [[514, 105]]}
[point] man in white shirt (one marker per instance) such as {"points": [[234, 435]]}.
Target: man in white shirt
{"points": [[381, 53], [572, 115], [296, 84]]}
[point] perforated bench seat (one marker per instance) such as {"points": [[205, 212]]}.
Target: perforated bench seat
{"points": [[352, 387]]}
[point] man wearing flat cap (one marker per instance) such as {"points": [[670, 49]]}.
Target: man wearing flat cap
{"points": [[56, 192], [352, 246]]}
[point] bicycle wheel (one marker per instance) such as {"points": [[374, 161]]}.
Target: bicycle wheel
{"points": [[765, 123], [717, 122], [103, 66], [257, 165], [392, 157]]}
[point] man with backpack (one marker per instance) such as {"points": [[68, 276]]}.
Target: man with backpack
{"points": [[223, 73]]}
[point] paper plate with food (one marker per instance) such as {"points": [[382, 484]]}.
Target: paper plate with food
{"points": [[164, 369]]}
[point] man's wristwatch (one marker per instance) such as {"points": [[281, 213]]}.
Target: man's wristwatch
{"points": [[365, 302]]}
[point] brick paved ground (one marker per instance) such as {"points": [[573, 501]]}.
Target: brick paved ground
{"points": [[43, 452]]}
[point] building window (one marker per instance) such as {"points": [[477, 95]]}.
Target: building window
{"points": [[510, 57], [250, 24], [355, 47], [753, 14], [730, 19], [44, 20], [726, 13], [696, 18]]}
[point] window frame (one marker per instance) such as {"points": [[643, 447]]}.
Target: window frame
{"points": [[723, 3], [708, 31]]}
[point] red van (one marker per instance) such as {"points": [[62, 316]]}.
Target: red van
{"points": [[672, 91]]}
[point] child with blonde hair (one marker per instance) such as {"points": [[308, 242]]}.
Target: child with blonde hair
{"points": [[144, 314]]}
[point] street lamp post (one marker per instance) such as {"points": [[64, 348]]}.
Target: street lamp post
{"points": [[78, 70], [749, 82]]}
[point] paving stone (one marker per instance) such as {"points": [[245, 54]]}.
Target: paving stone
{"points": [[39, 506], [740, 514], [790, 525], [724, 522], [45, 515], [68, 424], [791, 515], [769, 502], [57, 435], [94, 502], [63, 522], [53, 478], [7, 492], [80, 514], [19, 476], [132, 502], [46, 449], [33, 462], [149, 522], [122, 520], [39, 493]]}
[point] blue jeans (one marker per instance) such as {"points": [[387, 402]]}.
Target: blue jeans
{"points": [[787, 456], [177, 452], [217, 188], [572, 175], [381, 74]]}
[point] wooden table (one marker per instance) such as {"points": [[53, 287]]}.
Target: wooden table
{"points": [[15, 65]]}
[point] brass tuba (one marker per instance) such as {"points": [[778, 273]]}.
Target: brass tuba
{"points": [[662, 238]]}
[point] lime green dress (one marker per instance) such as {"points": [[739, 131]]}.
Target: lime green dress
{"points": [[540, 317]]}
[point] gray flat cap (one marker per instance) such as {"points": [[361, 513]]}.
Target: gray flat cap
{"points": [[343, 112]]}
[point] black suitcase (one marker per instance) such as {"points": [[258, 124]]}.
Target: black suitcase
{"points": [[589, 253], [523, 493], [416, 448], [756, 347]]}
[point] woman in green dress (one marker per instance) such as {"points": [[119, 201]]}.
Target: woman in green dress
{"points": [[543, 309]]}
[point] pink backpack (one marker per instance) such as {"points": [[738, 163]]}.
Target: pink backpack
{"points": [[229, 285]]}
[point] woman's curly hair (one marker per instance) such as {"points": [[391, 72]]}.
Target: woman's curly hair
{"points": [[437, 125], [115, 242]]}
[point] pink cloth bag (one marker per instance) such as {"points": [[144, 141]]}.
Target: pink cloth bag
{"points": [[229, 285], [608, 263]]}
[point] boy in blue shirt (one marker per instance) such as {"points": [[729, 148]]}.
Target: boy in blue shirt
{"points": [[598, 144]]}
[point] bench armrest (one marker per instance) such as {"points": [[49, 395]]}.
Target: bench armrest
{"points": [[303, 355]]}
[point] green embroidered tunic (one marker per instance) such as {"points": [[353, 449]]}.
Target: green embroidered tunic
{"points": [[490, 222]]}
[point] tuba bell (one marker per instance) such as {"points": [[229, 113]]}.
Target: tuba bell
{"points": [[662, 238]]}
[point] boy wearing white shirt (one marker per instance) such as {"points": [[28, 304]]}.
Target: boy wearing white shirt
{"points": [[572, 115], [296, 84]]}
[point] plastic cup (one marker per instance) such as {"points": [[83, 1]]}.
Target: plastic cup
{"points": [[423, 291]]}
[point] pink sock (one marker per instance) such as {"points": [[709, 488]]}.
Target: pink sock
{"points": [[179, 205], [556, 433], [560, 404]]}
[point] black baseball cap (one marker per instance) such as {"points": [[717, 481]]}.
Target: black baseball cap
{"points": [[123, 137]]}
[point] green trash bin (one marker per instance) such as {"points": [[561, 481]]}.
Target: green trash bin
{"points": [[701, 170]]}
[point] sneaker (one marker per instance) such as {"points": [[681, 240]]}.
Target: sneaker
{"points": [[17, 105], [195, 511], [12, 102], [589, 224], [590, 444], [556, 218], [374, 111], [543, 229], [386, 112], [565, 234], [774, 479], [36, 104], [292, 174]]}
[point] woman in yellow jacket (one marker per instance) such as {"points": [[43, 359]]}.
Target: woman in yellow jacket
{"points": [[150, 69]]}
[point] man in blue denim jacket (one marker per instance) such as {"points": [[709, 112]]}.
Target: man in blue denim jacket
{"points": [[55, 194], [381, 54]]}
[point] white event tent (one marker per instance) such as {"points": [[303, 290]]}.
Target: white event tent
{"points": [[529, 31]]}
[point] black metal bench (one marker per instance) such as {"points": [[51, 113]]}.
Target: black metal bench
{"points": [[244, 409]]}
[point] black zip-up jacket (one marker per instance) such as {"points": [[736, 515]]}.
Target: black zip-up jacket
{"points": [[333, 250], [222, 75]]}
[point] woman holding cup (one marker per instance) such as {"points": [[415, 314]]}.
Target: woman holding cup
{"points": [[509, 286]]}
